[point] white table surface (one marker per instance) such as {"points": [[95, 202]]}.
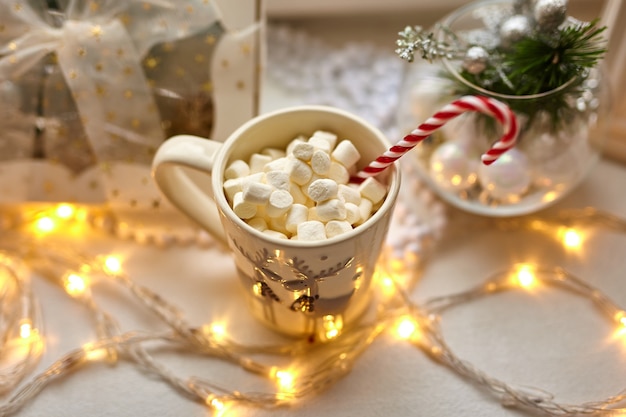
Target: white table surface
{"points": [[554, 341]]}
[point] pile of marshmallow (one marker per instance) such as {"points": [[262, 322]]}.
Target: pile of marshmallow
{"points": [[302, 192]]}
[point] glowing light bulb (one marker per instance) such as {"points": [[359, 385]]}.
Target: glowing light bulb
{"points": [[620, 317], [572, 239], [112, 265], [331, 334], [94, 354], [26, 329], [75, 285], [525, 276], [65, 211], [45, 224], [550, 196], [387, 285], [407, 328], [216, 404], [215, 330], [285, 379]]}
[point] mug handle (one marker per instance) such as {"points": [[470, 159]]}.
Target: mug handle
{"points": [[186, 151]]}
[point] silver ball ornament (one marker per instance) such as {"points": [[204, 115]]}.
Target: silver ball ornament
{"points": [[549, 14], [476, 59], [514, 29]]}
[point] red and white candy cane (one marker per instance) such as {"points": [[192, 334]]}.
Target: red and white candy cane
{"points": [[486, 105]]}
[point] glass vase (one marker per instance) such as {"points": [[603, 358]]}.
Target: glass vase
{"points": [[550, 157]]}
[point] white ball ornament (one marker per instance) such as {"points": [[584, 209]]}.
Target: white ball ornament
{"points": [[452, 168], [508, 178]]}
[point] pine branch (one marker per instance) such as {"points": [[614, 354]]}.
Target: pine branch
{"points": [[539, 63], [542, 63]]}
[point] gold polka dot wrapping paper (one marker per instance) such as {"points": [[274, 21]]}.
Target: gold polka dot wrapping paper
{"points": [[90, 89]]}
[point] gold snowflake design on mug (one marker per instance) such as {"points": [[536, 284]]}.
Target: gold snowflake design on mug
{"points": [[290, 281]]}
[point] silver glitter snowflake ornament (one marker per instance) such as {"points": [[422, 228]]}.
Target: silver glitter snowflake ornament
{"points": [[415, 40]]}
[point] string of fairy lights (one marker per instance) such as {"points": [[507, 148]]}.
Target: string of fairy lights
{"points": [[297, 369]]}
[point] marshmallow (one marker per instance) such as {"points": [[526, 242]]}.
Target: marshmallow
{"points": [[261, 212], [256, 177], [353, 213], [299, 171], [273, 153], [333, 209], [294, 142], [298, 213], [338, 173], [236, 169], [320, 143], [298, 195], [279, 164], [305, 186], [243, 209], [365, 208], [311, 230], [373, 190], [348, 194], [231, 187], [278, 179], [256, 192], [303, 192], [274, 233], [257, 162], [337, 227], [320, 162], [329, 137], [279, 203], [346, 153], [279, 224], [258, 223], [322, 190], [303, 151], [312, 215]]}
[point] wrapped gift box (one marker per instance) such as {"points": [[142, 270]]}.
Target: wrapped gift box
{"points": [[91, 88]]}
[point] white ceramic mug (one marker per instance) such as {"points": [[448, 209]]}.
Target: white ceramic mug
{"points": [[300, 288]]}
